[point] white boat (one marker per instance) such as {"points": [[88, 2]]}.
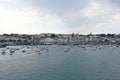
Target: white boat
{"points": [[39, 53], [12, 50]]}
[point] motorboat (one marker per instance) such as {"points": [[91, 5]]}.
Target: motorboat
{"points": [[37, 50], [12, 50], [39, 53]]}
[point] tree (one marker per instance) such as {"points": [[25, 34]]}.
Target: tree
{"points": [[102, 35], [53, 36], [111, 35]]}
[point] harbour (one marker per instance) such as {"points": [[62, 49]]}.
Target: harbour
{"points": [[54, 63]]}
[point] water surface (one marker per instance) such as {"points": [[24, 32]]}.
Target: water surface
{"points": [[61, 63]]}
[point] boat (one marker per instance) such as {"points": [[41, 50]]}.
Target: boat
{"points": [[29, 53], [117, 45], [39, 53], [17, 49], [47, 49], [3, 53], [42, 49], [11, 53], [7, 47], [37, 50], [12, 50], [3, 45], [67, 50], [23, 51], [28, 47]]}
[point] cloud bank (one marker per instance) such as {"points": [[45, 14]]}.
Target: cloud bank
{"points": [[59, 16]]}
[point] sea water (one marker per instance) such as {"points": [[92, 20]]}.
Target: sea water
{"points": [[61, 63]]}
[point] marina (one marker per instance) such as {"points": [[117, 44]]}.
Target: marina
{"points": [[60, 62]]}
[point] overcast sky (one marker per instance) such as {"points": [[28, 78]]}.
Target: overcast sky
{"points": [[59, 16]]}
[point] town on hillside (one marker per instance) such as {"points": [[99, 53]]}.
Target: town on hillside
{"points": [[59, 39]]}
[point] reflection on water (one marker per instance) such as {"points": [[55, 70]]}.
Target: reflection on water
{"points": [[60, 63]]}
